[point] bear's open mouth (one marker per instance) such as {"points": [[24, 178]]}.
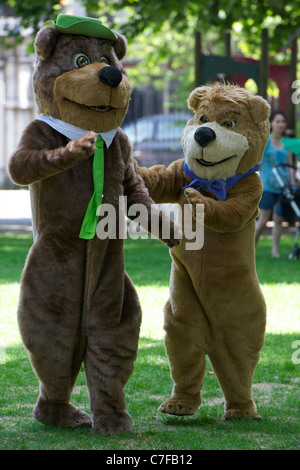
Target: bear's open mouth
{"points": [[100, 109], [205, 163]]}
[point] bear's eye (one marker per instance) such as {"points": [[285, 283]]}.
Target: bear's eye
{"points": [[229, 124], [81, 60], [105, 60], [204, 119]]}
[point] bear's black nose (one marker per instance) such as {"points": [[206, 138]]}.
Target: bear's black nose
{"points": [[204, 135], [110, 76]]}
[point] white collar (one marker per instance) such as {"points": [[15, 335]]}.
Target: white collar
{"points": [[74, 132]]}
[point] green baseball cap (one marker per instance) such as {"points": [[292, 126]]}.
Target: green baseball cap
{"points": [[71, 24]]}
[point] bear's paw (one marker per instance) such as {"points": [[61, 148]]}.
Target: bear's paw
{"points": [[184, 405], [112, 424]]}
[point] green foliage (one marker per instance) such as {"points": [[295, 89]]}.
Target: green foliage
{"points": [[32, 12], [186, 16], [162, 32]]}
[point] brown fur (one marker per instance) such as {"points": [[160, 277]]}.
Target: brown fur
{"points": [[54, 72], [216, 306], [77, 304]]}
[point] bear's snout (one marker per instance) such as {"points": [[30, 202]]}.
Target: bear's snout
{"points": [[110, 76], [204, 135]]}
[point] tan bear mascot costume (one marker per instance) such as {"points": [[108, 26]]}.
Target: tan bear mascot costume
{"points": [[216, 306], [77, 303]]}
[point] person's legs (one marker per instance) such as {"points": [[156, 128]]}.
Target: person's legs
{"points": [[266, 208], [281, 212], [277, 230], [264, 216]]}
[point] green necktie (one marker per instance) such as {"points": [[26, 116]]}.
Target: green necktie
{"points": [[89, 224]]}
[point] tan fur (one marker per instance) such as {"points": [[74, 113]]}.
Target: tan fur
{"points": [[216, 307], [77, 304]]}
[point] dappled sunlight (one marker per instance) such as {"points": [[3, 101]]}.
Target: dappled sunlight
{"points": [[147, 262], [283, 307], [153, 299], [280, 284], [9, 333]]}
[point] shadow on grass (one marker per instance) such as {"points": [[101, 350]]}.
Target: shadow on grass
{"points": [[276, 365], [274, 389], [151, 377], [276, 270], [148, 261], [13, 252]]}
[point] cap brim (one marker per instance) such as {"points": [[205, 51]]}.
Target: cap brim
{"points": [[85, 28]]}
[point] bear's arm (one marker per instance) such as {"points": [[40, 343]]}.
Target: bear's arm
{"points": [[150, 217], [134, 187], [164, 184], [237, 211], [42, 152]]}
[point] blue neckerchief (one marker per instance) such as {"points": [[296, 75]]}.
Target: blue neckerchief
{"points": [[218, 187]]}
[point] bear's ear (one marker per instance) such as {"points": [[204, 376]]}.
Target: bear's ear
{"points": [[193, 100], [120, 45], [196, 96], [45, 42], [259, 109]]}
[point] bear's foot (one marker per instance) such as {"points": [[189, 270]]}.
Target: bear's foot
{"points": [[235, 413], [182, 404], [112, 424], [58, 414], [238, 410]]}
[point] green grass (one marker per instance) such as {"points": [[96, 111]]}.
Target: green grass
{"points": [[276, 381]]}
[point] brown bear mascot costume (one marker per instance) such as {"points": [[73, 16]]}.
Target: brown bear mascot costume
{"points": [[77, 304], [216, 306]]}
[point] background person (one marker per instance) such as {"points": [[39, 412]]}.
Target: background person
{"points": [[270, 204]]}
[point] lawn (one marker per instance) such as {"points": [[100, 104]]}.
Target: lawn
{"points": [[276, 381]]}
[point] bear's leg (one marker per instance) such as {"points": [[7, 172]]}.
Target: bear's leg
{"points": [[187, 367], [60, 414], [186, 340], [49, 317], [113, 333], [234, 357], [53, 405]]}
